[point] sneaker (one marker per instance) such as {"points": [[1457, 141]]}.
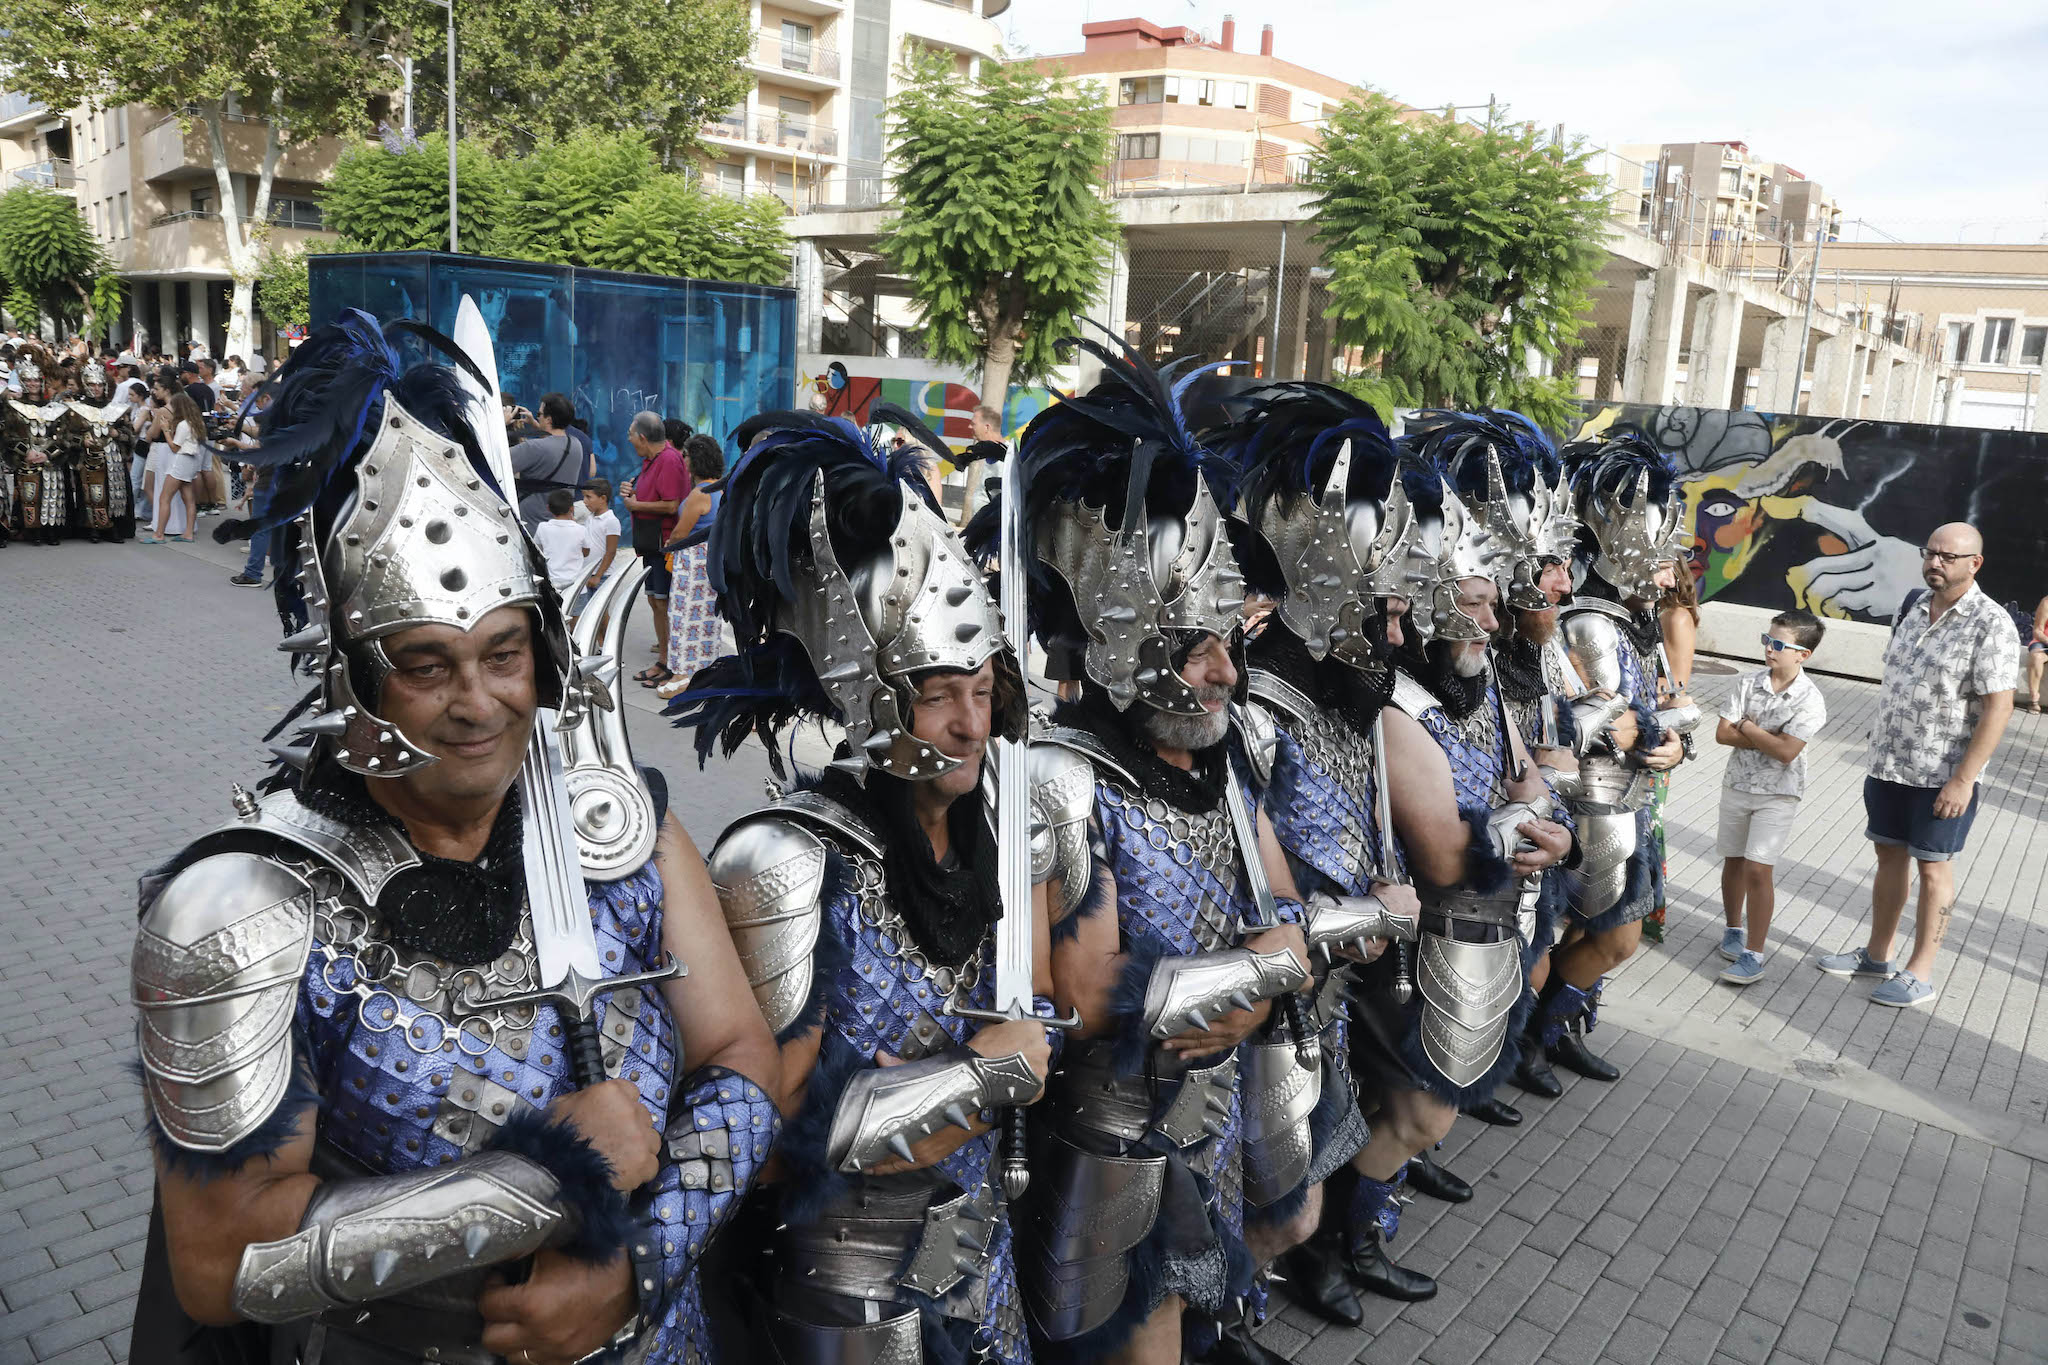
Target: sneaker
{"points": [[1903, 992], [242, 580], [1731, 943], [1858, 963], [1748, 967]]}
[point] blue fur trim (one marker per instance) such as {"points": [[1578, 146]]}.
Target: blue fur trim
{"points": [[829, 956], [1566, 1002], [1374, 1203], [1485, 869], [1567, 722], [268, 1136], [603, 1221], [811, 1183], [1127, 1005], [1649, 734], [1143, 1289], [1101, 895], [1481, 1090]]}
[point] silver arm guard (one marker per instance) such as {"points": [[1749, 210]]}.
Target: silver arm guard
{"points": [[374, 1238], [1592, 714], [1333, 922], [770, 876], [1062, 798], [1680, 720], [1503, 822], [885, 1108], [1186, 992], [1593, 641], [218, 960]]}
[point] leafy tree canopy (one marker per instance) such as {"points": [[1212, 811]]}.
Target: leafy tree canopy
{"points": [[380, 200], [49, 260], [670, 227], [557, 195], [1001, 227], [1453, 251], [282, 289]]}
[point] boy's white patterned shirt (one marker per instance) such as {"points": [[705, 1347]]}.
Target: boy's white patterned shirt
{"points": [[1798, 711], [1935, 679]]}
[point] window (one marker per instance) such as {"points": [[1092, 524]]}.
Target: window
{"points": [[1137, 147], [1959, 342], [202, 201], [2033, 342], [1213, 151], [295, 213], [732, 180], [1997, 342], [1206, 94], [1240, 96], [1172, 89], [796, 46], [1141, 90], [121, 212], [784, 185], [1650, 176], [121, 126], [1731, 179]]}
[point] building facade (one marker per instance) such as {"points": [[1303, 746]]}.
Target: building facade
{"points": [[1718, 201]]}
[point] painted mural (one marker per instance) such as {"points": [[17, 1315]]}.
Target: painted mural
{"points": [[1830, 513], [848, 386]]}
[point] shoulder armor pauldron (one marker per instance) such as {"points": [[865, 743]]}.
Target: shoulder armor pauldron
{"points": [[1088, 747], [1279, 695], [1412, 697], [218, 960], [368, 856], [821, 812], [1062, 799], [1593, 640], [1254, 725], [769, 872]]}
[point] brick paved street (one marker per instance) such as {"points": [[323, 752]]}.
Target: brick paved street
{"points": [[1783, 1173]]}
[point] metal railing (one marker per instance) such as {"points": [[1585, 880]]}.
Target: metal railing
{"points": [[733, 126], [184, 216], [807, 137], [812, 58], [52, 174]]}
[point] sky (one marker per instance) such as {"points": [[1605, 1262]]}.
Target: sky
{"points": [[1925, 121]]}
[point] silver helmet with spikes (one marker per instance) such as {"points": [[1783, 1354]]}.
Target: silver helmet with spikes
{"points": [[1464, 547], [419, 540], [1637, 534]]}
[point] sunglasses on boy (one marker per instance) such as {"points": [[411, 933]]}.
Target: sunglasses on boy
{"points": [[1774, 644]]}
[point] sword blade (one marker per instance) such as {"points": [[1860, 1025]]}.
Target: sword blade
{"points": [[1012, 785]]}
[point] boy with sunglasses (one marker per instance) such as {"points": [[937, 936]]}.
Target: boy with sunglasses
{"points": [[1767, 720]]}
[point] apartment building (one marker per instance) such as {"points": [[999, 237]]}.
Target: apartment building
{"points": [[1192, 113], [811, 130], [1719, 200], [148, 189]]}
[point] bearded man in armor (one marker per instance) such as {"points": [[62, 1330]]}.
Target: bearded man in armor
{"points": [[1627, 553], [864, 900], [1474, 822], [384, 1126], [1177, 1159]]}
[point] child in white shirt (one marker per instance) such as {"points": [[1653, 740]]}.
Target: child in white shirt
{"points": [[562, 541], [601, 529]]}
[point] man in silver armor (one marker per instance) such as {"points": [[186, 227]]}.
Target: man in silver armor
{"points": [[1474, 823], [1180, 1149], [864, 901], [102, 506], [1627, 553], [414, 1090]]}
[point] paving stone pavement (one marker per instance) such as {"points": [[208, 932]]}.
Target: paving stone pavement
{"points": [[1783, 1173]]}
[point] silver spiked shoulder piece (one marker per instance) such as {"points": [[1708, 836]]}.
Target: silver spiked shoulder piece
{"points": [[1127, 610]]}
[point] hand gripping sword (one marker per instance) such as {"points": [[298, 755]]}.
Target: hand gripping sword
{"points": [[571, 978], [1012, 798]]}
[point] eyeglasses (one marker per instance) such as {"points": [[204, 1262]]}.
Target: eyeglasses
{"points": [[1943, 557], [1774, 644]]}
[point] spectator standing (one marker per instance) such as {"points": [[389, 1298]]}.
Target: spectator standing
{"points": [[989, 450], [156, 431], [260, 482], [562, 542], [2037, 655], [652, 500], [600, 532], [555, 459], [1942, 706], [694, 634], [188, 454], [1768, 720]]}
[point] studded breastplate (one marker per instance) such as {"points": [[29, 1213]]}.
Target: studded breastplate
{"points": [[1322, 798], [1475, 744], [1178, 876], [410, 1083]]}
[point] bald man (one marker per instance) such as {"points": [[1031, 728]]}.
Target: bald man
{"points": [[1946, 695]]}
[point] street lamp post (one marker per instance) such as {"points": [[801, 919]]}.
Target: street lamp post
{"points": [[453, 240], [404, 64]]}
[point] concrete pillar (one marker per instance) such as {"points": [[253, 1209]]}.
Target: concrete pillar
{"points": [[137, 323], [1111, 302], [1656, 324], [1952, 410], [1834, 366], [1784, 367], [202, 314], [1716, 333], [750, 165], [1293, 323], [1898, 384], [1878, 405], [1925, 381], [2040, 400], [167, 317], [809, 278]]}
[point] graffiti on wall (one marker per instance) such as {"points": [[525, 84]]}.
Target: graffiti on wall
{"points": [[946, 406], [1830, 513]]}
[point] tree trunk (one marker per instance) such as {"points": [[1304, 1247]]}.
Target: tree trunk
{"points": [[996, 364], [246, 236]]}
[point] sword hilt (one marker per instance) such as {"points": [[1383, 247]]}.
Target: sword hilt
{"points": [[1016, 1165], [575, 997]]}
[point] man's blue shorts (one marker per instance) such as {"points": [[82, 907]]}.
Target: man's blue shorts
{"points": [[1904, 817]]}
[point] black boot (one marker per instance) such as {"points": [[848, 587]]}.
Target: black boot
{"points": [[1235, 1346], [1426, 1177], [1533, 1072], [1571, 1053], [1314, 1275], [1376, 1272], [1497, 1112]]}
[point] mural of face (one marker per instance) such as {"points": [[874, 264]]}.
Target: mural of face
{"points": [[1725, 530]]}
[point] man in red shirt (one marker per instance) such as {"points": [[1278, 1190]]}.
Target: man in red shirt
{"points": [[652, 499]]}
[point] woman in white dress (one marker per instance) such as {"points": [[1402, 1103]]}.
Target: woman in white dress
{"points": [[188, 457]]}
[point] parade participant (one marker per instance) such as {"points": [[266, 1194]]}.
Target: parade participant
{"points": [[1627, 554], [865, 902], [101, 500], [402, 1109], [1326, 532], [1179, 1147], [37, 467]]}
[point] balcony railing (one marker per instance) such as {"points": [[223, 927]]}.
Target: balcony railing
{"points": [[778, 52], [184, 216], [53, 174], [733, 125], [805, 137]]}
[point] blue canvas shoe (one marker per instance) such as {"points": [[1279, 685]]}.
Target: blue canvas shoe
{"points": [[1903, 992], [1857, 963]]}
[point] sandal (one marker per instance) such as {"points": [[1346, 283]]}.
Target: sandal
{"points": [[656, 672], [657, 676]]}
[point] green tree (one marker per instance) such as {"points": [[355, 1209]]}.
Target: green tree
{"points": [[49, 261], [306, 68], [1454, 252], [542, 69], [556, 196], [670, 227], [1001, 228], [283, 294], [380, 200]]}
